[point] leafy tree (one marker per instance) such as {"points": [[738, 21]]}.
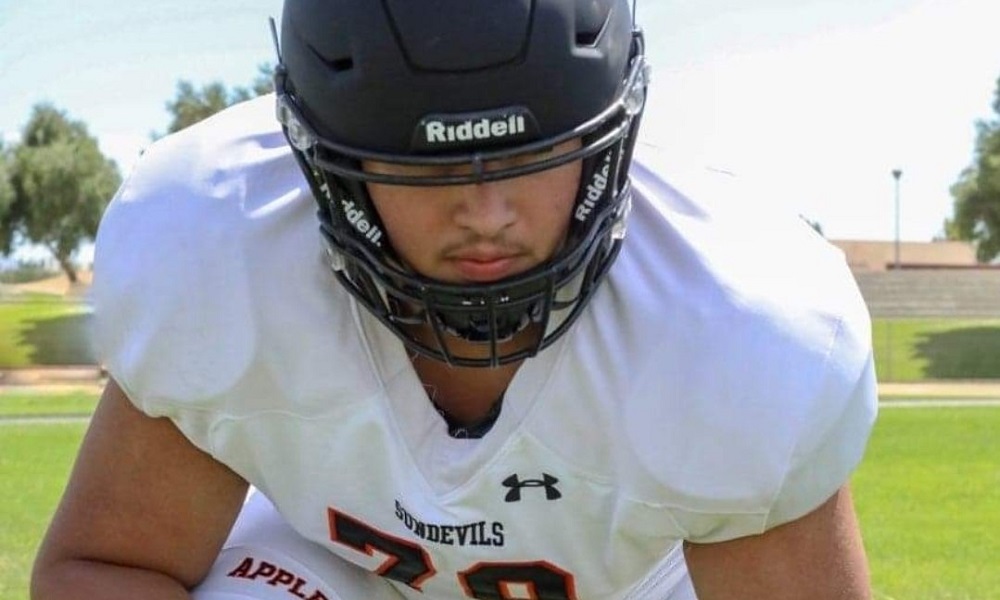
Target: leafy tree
{"points": [[60, 183], [977, 192], [263, 83], [6, 188], [191, 105]]}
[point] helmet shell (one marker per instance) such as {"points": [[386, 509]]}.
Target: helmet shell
{"points": [[371, 74]]}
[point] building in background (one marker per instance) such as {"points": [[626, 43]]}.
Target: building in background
{"points": [[876, 256]]}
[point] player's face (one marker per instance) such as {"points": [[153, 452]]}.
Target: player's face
{"points": [[478, 232]]}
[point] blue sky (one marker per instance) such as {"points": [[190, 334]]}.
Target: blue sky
{"points": [[813, 101]]}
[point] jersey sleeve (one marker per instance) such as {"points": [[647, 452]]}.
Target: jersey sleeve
{"points": [[170, 302], [757, 394], [774, 470], [178, 258], [835, 431]]}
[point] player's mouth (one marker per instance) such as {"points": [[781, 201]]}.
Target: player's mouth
{"points": [[486, 266]]}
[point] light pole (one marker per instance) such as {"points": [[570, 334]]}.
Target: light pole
{"points": [[897, 173]]}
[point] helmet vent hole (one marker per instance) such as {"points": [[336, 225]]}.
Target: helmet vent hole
{"points": [[341, 64], [337, 65], [587, 39]]}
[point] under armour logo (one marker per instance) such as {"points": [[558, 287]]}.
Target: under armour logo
{"points": [[516, 485]]}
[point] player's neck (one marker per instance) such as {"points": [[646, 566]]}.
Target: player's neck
{"points": [[465, 394]]}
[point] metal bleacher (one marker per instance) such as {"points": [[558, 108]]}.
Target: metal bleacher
{"points": [[908, 293]]}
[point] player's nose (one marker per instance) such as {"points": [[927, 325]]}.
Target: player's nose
{"points": [[485, 208]]}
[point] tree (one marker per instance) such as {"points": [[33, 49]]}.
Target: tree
{"points": [[6, 188], [977, 192], [191, 105], [60, 183]]}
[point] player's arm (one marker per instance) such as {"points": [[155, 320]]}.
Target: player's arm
{"points": [[143, 516], [819, 556]]}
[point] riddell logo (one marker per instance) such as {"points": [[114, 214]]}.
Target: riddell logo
{"points": [[358, 218], [595, 189], [439, 132]]}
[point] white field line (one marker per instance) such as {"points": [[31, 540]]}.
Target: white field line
{"points": [[43, 419]]}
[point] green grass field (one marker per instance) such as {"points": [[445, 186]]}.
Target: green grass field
{"points": [[43, 330], [31, 403], [928, 496], [928, 493], [909, 350], [34, 464]]}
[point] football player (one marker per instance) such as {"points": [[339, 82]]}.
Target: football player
{"points": [[514, 362]]}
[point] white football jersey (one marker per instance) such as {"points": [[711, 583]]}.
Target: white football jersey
{"points": [[719, 383]]}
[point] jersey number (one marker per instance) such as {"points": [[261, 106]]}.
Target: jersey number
{"points": [[409, 563]]}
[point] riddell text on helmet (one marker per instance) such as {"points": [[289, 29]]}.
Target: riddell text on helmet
{"points": [[439, 132], [595, 189], [357, 217]]}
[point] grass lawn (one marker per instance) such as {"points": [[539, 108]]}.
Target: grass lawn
{"points": [[931, 349], [33, 403], [927, 494], [34, 464], [43, 330]]}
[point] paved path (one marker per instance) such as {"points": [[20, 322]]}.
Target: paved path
{"points": [[52, 379], [941, 389]]}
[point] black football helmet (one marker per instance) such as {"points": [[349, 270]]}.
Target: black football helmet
{"points": [[462, 85]]}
